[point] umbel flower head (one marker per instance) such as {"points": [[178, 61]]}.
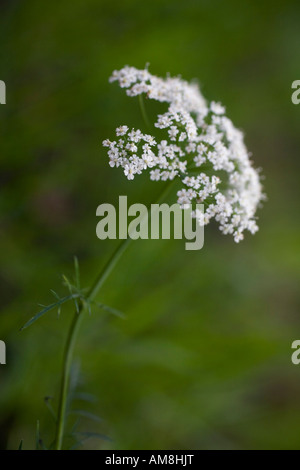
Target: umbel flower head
{"points": [[201, 147]]}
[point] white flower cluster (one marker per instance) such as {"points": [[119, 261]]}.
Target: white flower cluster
{"points": [[202, 148]]}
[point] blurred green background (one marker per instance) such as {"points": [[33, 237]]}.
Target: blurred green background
{"points": [[203, 358]]}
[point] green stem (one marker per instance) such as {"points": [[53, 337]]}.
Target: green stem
{"points": [[75, 326], [143, 111]]}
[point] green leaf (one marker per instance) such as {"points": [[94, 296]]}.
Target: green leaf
{"points": [[76, 445], [76, 305], [47, 309], [50, 408], [39, 444], [87, 397], [111, 310], [71, 288], [88, 415], [77, 273], [67, 283], [55, 294], [21, 445], [89, 435]]}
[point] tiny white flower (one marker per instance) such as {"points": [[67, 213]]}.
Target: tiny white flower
{"points": [[149, 139], [129, 171], [173, 131], [121, 130], [135, 136], [131, 147], [217, 108], [238, 236], [155, 175]]}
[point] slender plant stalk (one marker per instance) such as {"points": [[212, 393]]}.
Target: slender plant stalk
{"points": [[143, 111], [75, 326]]}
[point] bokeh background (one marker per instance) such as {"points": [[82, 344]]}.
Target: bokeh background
{"points": [[203, 358]]}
